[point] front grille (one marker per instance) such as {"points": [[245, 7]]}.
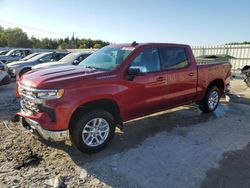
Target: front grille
{"points": [[11, 73], [32, 105], [28, 102], [29, 107]]}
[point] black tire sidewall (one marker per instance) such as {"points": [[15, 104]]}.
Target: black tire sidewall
{"points": [[76, 130], [204, 105]]}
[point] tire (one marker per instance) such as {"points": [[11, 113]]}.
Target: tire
{"points": [[84, 128], [24, 71], [211, 100]]}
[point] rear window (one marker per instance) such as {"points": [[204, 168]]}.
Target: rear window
{"points": [[173, 58]]}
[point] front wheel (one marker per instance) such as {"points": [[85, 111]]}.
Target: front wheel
{"points": [[211, 100], [93, 131]]}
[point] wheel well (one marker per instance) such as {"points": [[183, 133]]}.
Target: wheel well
{"points": [[103, 104], [24, 70], [218, 83]]}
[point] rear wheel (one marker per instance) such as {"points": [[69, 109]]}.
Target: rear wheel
{"points": [[93, 131], [211, 100]]}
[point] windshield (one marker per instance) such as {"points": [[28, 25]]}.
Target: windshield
{"points": [[69, 58], [10, 52], [107, 58], [3, 52], [30, 56], [38, 56]]}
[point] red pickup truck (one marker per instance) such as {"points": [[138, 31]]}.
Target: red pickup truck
{"points": [[116, 84]]}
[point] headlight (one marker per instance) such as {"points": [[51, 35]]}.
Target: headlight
{"points": [[46, 94], [49, 94]]}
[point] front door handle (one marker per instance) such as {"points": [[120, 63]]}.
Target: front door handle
{"points": [[160, 79], [191, 74]]}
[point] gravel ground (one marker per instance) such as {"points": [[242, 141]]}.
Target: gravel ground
{"points": [[177, 148]]}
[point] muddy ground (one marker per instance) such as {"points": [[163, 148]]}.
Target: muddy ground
{"points": [[177, 148]]}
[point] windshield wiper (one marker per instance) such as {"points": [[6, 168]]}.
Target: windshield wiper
{"points": [[94, 68], [89, 67]]}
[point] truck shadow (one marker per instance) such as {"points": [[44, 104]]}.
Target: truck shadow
{"points": [[135, 132]]}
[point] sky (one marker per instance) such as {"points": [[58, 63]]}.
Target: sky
{"points": [[193, 22]]}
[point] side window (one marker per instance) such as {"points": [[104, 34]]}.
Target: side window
{"points": [[173, 58], [60, 56], [147, 61], [47, 58], [27, 52], [82, 57], [17, 53]]}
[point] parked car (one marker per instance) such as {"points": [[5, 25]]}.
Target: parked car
{"points": [[25, 58], [20, 67], [3, 52], [30, 56], [70, 59], [14, 55], [116, 84], [4, 78]]}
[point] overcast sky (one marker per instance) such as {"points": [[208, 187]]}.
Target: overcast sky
{"points": [[192, 22]]}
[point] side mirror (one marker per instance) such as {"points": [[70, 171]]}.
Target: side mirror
{"points": [[40, 60], [133, 72], [75, 62]]}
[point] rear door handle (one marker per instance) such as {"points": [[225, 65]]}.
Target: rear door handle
{"points": [[160, 79], [191, 74]]}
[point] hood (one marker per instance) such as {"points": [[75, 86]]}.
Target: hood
{"points": [[58, 77], [3, 56], [49, 65], [17, 63]]}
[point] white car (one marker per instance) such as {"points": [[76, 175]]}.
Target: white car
{"points": [[73, 58]]}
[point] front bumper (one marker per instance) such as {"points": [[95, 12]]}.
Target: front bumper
{"points": [[35, 127]]}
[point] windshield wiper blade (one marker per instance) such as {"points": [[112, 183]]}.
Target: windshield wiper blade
{"points": [[89, 67]]}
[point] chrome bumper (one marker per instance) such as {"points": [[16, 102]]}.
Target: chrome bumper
{"points": [[55, 136]]}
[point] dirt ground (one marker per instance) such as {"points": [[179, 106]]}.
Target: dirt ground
{"points": [[177, 148]]}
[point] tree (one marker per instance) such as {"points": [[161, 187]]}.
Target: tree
{"points": [[97, 45], [17, 38], [3, 38], [36, 43]]}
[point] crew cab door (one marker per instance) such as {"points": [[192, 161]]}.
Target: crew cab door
{"points": [[180, 72], [147, 88]]}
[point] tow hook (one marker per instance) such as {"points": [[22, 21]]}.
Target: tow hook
{"points": [[15, 118], [120, 125]]}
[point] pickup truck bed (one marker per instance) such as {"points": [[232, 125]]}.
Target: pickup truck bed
{"points": [[207, 72]]}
